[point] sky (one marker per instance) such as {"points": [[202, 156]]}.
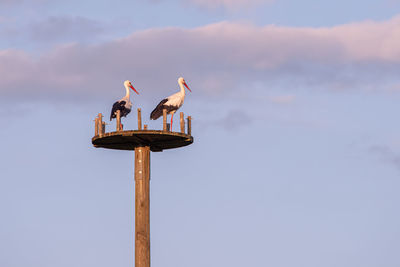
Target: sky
{"points": [[296, 153]]}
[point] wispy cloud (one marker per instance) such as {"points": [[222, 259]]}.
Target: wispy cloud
{"points": [[10, 2], [228, 4], [65, 29], [387, 155], [282, 99], [215, 58], [233, 120], [52, 30]]}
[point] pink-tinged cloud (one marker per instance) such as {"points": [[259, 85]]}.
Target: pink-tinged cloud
{"points": [[228, 4], [214, 59], [282, 99]]}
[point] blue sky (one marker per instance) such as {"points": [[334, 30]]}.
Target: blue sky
{"points": [[296, 159]]}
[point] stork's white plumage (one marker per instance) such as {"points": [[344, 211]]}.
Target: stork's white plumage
{"points": [[124, 104], [171, 103]]}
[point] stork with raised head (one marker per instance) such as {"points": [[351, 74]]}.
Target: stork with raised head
{"points": [[124, 105], [171, 103]]}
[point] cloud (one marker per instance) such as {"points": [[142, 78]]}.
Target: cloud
{"points": [[387, 155], [64, 29], [234, 120], [10, 2], [51, 30], [282, 99], [216, 58], [228, 4]]}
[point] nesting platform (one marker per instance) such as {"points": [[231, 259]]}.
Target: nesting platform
{"points": [[157, 140], [128, 140]]}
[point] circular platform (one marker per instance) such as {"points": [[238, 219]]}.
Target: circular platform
{"points": [[128, 140]]}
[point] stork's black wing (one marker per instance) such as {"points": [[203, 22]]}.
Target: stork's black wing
{"points": [[119, 105], [157, 112]]}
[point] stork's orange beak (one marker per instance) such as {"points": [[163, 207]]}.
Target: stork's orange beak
{"points": [[184, 83], [134, 89]]}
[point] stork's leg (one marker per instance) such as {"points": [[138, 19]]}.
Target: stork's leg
{"points": [[172, 116]]}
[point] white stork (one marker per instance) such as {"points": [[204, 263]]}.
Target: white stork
{"points": [[124, 104], [171, 103]]}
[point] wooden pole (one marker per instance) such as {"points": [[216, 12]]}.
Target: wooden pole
{"points": [[182, 122], [139, 118], [164, 113], [189, 121], [96, 126], [142, 206], [100, 123], [118, 120]]}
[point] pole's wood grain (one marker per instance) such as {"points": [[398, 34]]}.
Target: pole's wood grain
{"points": [[182, 122], [189, 121], [164, 113], [139, 118], [118, 120], [142, 206]]}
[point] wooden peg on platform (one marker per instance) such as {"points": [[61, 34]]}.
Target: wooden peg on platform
{"points": [[103, 127], [118, 120], [139, 118], [145, 127], [96, 126], [189, 122], [182, 122], [100, 124], [164, 113]]}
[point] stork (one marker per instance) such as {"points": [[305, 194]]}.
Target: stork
{"points": [[124, 104], [171, 103]]}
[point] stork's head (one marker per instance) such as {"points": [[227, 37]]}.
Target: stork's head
{"points": [[128, 84], [182, 81]]}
